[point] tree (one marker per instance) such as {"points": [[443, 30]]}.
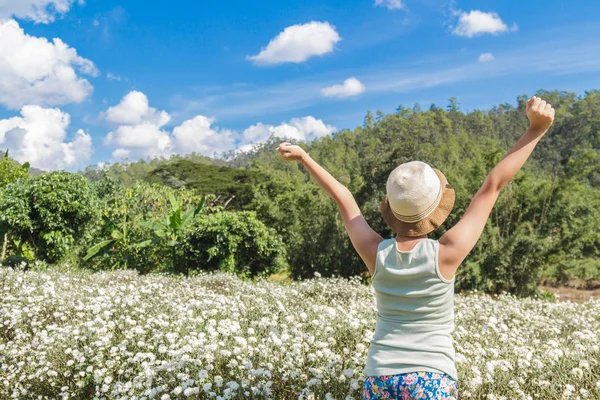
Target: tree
{"points": [[453, 104], [51, 212]]}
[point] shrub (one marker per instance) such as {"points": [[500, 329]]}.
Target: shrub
{"points": [[51, 213], [233, 242]]}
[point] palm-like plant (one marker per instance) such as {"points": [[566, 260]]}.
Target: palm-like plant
{"points": [[172, 228]]}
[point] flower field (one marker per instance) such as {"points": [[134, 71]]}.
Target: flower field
{"points": [[118, 335]]}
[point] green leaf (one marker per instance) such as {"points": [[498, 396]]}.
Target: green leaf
{"points": [[175, 219], [172, 243], [143, 244], [174, 203], [116, 235], [187, 219], [160, 233], [200, 206], [98, 249], [152, 225], [110, 225]]}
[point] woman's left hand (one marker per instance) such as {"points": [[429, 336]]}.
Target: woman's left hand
{"points": [[291, 152]]}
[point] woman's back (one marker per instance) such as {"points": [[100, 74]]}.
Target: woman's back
{"points": [[415, 317], [408, 285]]}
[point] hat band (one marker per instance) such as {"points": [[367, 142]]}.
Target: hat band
{"points": [[423, 214]]}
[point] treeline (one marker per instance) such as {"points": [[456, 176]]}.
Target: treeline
{"points": [[264, 215], [543, 228]]}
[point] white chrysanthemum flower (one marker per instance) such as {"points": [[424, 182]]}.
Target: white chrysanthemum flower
{"points": [[191, 391], [217, 324]]}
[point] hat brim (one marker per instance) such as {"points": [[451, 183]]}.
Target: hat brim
{"points": [[426, 225]]}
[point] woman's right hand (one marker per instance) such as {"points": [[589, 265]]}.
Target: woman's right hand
{"points": [[540, 114]]}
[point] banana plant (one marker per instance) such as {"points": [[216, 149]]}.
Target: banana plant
{"points": [[171, 229], [174, 225]]}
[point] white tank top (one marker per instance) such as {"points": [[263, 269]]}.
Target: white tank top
{"points": [[415, 312]]}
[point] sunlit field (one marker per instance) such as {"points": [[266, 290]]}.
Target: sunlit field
{"points": [[123, 336]]}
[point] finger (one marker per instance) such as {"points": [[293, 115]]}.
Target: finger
{"points": [[541, 106], [529, 103], [535, 104], [548, 107], [552, 112]]}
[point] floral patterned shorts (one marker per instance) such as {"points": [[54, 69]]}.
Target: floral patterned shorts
{"points": [[415, 385]]}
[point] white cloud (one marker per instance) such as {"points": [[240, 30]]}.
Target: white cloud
{"points": [[39, 11], [350, 87], [38, 137], [299, 42], [197, 135], [121, 154], [35, 71], [148, 138], [486, 57], [257, 133], [390, 4], [112, 77], [306, 129], [478, 22], [140, 132], [134, 109]]}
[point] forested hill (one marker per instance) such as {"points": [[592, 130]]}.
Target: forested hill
{"points": [[543, 225], [572, 143]]}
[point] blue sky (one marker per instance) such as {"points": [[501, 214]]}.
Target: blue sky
{"points": [[130, 79]]}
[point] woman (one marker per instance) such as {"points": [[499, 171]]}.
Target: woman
{"points": [[411, 355]]}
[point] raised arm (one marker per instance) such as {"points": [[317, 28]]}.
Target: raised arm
{"points": [[458, 242], [364, 239]]}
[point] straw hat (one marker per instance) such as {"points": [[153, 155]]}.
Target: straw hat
{"points": [[418, 199]]}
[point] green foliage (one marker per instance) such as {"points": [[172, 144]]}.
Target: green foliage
{"points": [[123, 252], [51, 212], [123, 239], [169, 231], [11, 171], [229, 182], [234, 242], [128, 173], [176, 223]]}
